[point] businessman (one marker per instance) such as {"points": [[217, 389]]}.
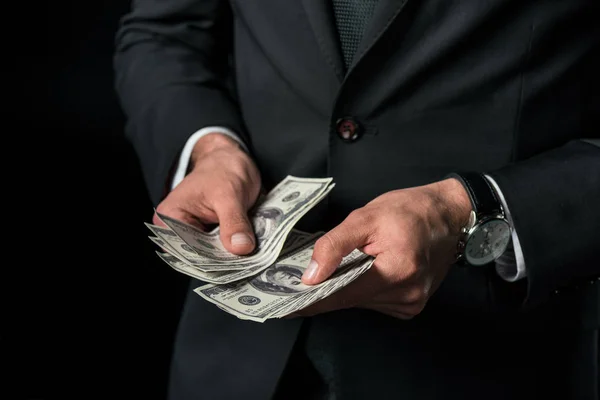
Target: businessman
{"points": [[463, 140]]}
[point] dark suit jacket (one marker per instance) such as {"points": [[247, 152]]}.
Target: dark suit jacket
{"points": [[503, 87]]}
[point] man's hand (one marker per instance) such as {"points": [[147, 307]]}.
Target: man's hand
{"points": [[223, 183], [413, 235]]}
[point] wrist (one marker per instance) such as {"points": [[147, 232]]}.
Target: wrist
{"points": [[457, 204], [211, 142]]}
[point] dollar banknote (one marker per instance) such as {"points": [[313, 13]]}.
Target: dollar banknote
{"points": [[178, 247], [272, 220], [266, 284], [278, 290], [294, 240], [290, 199]]}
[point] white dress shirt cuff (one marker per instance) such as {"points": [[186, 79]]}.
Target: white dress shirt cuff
{"points": [[186, 153], [510, 267]]}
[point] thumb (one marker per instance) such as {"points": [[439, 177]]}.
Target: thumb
{"points": [[332, 247], [236, 231]]}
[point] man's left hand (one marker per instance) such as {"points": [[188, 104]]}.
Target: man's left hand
{"points": [[413, 235]]}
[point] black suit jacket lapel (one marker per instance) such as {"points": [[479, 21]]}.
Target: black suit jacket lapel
{"points": [[383, 17], [321, 19]]}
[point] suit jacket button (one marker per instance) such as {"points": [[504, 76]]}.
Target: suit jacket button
{"points": [[348, 129]]}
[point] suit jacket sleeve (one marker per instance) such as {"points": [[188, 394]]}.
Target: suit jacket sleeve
{"points": [[172, 78], [553, 199]]}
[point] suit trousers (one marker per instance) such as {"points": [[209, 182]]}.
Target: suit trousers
{"points": [[442, 353], [336, 356]]}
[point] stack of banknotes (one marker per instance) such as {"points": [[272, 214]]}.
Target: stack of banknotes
{"points": [[266, 284]]}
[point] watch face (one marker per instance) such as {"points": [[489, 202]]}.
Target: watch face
{"points": [[487, 242]]}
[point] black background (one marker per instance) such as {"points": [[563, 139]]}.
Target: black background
{"points": [[94, 313]]}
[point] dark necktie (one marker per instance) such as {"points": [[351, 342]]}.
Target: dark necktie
{"points": [[351, 19]]}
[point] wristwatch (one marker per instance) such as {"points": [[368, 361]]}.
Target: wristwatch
{"points": [[486, 235]]}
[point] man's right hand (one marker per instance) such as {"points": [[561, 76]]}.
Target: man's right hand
{"points": [[222, 184]]}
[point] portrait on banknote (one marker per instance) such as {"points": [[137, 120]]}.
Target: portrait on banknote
{"points": [[266, 221], [280, 279]]}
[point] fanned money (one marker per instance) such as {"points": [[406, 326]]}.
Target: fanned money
{"points": [[266, 284], [278, 290], [295, 240], [272, 221]]}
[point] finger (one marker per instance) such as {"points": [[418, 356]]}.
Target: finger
{"points": [[236, 231], [405, 295], [358, 292], [180, 215], [158, 222], [384, 300], [407, 301], [352, 233], [392, 311]]}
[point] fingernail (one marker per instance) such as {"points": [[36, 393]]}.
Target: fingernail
{"points": [[311, 270], [240, 239]]}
